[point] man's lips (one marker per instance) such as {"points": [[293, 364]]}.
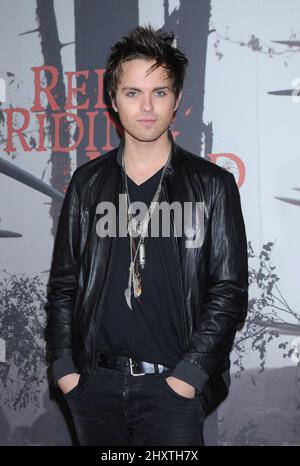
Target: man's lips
{"points": [[147, 121]]}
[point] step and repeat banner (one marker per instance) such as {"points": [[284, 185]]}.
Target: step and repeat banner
{"points": [[240, 109]]}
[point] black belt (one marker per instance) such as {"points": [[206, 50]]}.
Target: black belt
{"points": [[129, 365]]}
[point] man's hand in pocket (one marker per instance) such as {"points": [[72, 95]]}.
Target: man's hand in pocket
{"points": [[181, 387], [68, 382]]}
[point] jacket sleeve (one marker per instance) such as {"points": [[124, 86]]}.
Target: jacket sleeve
{"points": [[63, 285], [226, 300]]}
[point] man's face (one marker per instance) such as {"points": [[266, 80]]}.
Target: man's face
{"points": [[145, 103]]}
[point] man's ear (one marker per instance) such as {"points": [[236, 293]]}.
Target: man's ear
{"points": [[177, 101], [113, 103]]}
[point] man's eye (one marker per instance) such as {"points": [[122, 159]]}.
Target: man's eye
{"points": [[161, 93], [131, 93]]}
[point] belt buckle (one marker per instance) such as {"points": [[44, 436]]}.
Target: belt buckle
{"points": [[130, 364]]}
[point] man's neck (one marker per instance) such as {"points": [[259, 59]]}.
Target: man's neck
{"points": [[144, 157]]}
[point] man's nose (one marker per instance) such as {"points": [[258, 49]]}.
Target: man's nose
{"points": [[147, 104]]}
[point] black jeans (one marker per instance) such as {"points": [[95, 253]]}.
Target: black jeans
{"points": [[122, 409]]}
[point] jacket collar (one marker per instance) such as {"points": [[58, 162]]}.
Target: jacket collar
{"points": [[174, 153]]}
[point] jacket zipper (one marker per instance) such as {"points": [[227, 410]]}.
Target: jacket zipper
{"points": [[99, 313], [179, 273], [100, 308], [102, 298]]}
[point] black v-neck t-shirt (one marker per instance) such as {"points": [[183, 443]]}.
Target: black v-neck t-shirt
{"points": [[152, 331]]}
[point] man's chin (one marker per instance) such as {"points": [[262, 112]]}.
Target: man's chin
{"points": [[144, 136]]}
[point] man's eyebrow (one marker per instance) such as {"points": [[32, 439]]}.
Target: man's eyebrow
{"points": [[137, 89]]}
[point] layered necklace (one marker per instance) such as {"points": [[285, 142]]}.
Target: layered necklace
{"points": [[140, 229]]}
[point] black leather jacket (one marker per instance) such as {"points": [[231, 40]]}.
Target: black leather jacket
{"points": [[214, 277]]}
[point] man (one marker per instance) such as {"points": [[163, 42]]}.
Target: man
{"points": [[141, 327]]}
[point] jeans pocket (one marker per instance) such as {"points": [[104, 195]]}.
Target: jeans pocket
{"points": [[170, 390]]}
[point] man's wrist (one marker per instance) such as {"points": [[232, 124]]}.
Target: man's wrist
{"points": [[181, 387], [69, 381], [61, 367]]}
